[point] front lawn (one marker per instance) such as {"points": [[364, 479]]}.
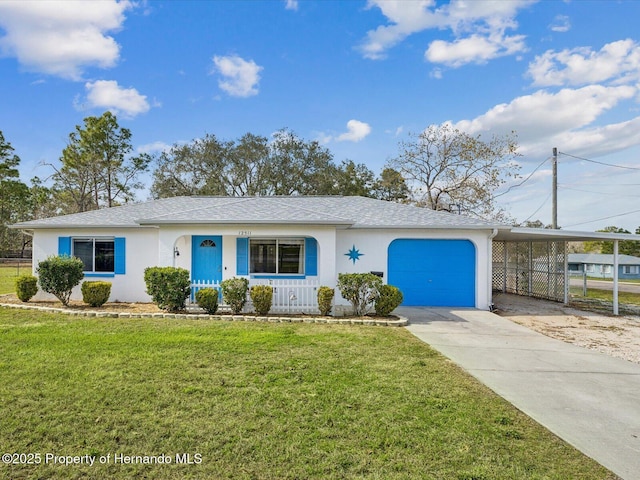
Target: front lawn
{"points": [[8, 275], [628, 298], [256, 401]]}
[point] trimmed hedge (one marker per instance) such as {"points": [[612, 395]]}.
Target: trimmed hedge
{"points": [[361, 289], [234, 293], [169, 287], [207, 299], [389, 299], [95, 293], [59, 274], [262, 298], [26, 287], [325, 300]]}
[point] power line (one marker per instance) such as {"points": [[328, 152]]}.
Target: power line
{"points": [[600, 163], [538, 209], [604, 218], [524, 181], [597, 193], [599, 184]]}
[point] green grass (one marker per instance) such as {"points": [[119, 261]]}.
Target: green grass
{"points": [[8, 275], [606, 295], [622, 280], [257, 401]]}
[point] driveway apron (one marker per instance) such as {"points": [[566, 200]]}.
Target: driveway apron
{"points": [[589, 399]]}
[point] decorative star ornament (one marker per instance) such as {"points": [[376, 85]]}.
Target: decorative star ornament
{"points": [[354, 254]]}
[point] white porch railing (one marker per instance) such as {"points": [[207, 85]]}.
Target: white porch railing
{"points": [[289, 295]]}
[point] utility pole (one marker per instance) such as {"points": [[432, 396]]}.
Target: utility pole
{"points": [[554, 211]]}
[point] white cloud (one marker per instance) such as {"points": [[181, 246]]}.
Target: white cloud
{"points": [[560, 24], [109, 95], [323, 138], [545, 120], [60, 37], [619, 61], [473, 49], [474, 24], [291, 4], [601, 140], [240, 77], [154, 147], [356, 131]]}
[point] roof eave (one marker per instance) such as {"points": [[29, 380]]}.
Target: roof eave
{"points": [[532, 234], [240, 222], [429, 227], [18, 226]]}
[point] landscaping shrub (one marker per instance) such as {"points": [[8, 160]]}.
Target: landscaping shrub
{"points": [[207, 299], [96, 293], [234, 293], [325, 300], [59, 274], [26, 287], [361, 289], [169, 287], [262, 297], [389, 299]]}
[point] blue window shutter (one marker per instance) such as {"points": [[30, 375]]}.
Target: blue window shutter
{"points": [[64, 246], [311, 257], [120, 256], [242, 256]]}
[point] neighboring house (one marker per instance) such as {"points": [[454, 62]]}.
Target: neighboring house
{"points": [[601, 265], [293, 243]]}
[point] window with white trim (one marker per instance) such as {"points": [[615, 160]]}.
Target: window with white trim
{"points": [[276, 256], [591, 268], [630, 269], [97, 254], [607, 269]]}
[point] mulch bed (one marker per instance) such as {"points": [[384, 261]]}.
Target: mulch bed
{"points": [[137, 310]]}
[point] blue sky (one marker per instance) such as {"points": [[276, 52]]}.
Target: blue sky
{"points": [[358, 76]]}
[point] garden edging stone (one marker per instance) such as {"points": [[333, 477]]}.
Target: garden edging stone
{"points": [[384, 322]]}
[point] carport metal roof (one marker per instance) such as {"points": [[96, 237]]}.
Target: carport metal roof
{"points": [[521, 234]]}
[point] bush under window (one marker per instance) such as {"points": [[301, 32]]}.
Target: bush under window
{"points": [[169, 287], [58, 275]]}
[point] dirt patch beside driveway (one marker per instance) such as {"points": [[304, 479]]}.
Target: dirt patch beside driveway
{"points": [[615, 336]]}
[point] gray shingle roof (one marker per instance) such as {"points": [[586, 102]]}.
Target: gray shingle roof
{"points": [[602, 259], [352, 212]]}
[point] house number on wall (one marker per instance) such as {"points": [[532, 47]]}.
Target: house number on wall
{"points": [[244, 233]]}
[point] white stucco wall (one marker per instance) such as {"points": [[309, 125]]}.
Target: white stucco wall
{"points": [[153, 246], [141, 252], [171, 237], [374, 245]]}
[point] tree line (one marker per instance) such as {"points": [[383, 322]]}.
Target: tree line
{"points": [[440, 168]]}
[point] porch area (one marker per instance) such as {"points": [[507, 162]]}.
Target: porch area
{"points": [[289, 296]]}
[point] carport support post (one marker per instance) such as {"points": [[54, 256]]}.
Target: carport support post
{"points": [[530, 268], [615, 277], [504, 264], [567, 279]]}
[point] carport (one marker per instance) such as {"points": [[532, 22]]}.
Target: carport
{"points": [[533, 261]]}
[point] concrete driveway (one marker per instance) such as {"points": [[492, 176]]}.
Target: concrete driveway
{"points": [[587, 398]]}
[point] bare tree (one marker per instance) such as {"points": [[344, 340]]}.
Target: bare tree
{"points": [[450, 170]]}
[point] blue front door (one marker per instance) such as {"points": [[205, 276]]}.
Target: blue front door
{"points": [[206, 261]]}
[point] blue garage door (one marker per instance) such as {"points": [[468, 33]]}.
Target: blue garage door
{"points": [[437, 273]]}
